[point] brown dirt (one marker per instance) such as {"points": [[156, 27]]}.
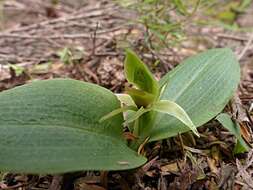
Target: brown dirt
{"points": [[95, 33]]}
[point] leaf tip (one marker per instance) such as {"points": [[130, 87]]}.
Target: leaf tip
{"points": [[196, 131]]}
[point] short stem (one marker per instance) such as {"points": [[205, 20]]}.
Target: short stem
{"points": [[136, 128], [145, 125]]}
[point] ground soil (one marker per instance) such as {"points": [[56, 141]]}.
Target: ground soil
{"points": [[94, 33]]}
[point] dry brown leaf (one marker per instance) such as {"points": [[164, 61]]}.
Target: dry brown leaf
{"points": [[245, 132], [172, 167], [151, 173], [85, 186], [215, 152], [212, 165], [129, 136], [4, 73]]}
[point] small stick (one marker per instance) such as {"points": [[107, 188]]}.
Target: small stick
{"points": [[56, 183], [64, 36], [232, 37], [246, 48], [94, 40]]}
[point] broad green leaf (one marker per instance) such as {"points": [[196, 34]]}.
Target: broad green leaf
{"points": [[173, 109], [138, 74], [202, 85], [53, 126], [234, 128]]}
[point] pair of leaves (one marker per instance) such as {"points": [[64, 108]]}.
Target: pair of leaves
{"points": [[53, 126]]}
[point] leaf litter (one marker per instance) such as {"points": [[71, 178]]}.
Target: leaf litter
{"points": [[173, 164]]}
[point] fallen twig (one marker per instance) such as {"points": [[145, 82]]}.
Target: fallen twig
{"points": [[246, 48], [232, 37]]}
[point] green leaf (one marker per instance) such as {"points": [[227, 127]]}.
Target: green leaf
{"points": [[202, 85], [240, 147], [136, 115], [138, 74], [53, 126], [173, 109], [141, 98], [180, 7], [126, 99], [116, 112], [65, 55], [234, 128], [244, 4]]}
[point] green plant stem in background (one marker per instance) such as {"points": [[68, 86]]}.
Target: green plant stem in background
{"points": [[2, 14], [164, 21]]}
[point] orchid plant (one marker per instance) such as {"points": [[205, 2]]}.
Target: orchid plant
{"points": [[63, 125]]}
